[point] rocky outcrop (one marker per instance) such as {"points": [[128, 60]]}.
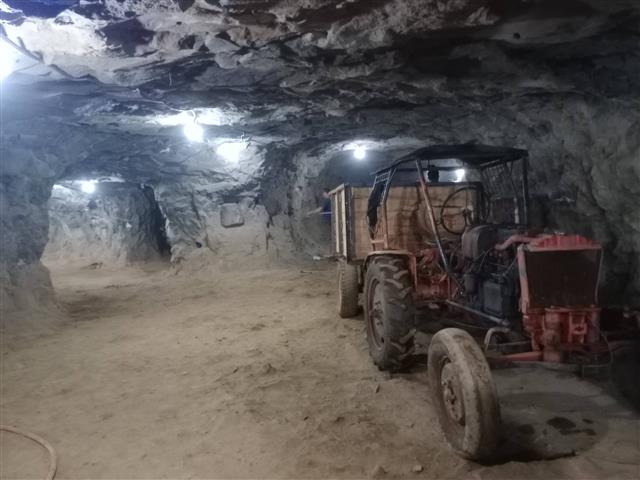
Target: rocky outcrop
{"points": [[26, 178]]}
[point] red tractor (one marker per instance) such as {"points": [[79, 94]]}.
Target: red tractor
{"points": [[445, 230]]}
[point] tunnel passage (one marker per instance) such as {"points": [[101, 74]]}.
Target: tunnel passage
{"points": [[238, 114], [104, 223], [312, 228]]}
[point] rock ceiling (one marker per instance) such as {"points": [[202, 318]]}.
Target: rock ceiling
{"points": [[291, 70]]}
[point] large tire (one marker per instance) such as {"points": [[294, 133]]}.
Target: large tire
{"points": [[389, 312], [464, 394], [348, 289]]}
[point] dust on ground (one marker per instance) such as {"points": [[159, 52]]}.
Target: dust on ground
{"points": [[251, 374]]}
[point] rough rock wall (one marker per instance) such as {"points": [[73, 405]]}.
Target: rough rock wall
{"points": [[24, 281], [220, 227], [25, 183], [119, 223], [585, 172]]}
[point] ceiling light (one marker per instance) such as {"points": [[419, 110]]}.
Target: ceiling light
{"points": [[88, 186], [360, 152], [231, 150], [460, 174], [194, 132]]}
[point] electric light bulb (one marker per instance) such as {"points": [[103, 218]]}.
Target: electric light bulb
{"points": [[231, 150], [460, 174], [194, 132], [88, 186], [360, 152]]}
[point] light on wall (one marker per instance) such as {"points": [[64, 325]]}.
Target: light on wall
{"points": [[358, 149], [360, 152], [231, 151], [194, 132], [88, 186], [460, 174]]}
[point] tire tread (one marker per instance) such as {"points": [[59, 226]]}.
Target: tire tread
{"points": [[348, 290], [394, 277]]}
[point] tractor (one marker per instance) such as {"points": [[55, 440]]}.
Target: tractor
{"points": [[445, 232]]}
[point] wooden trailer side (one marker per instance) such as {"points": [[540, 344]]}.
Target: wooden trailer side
{"points": [[406, 213], [409, 226], [349, 233]]}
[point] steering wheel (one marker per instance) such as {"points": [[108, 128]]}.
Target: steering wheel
{"points": [[467, 212]]}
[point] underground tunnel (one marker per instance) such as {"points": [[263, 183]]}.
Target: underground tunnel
{"points": [[319, 239], [120, 223]]}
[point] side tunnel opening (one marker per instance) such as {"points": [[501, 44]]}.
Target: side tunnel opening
{"points": [[104, 223]]}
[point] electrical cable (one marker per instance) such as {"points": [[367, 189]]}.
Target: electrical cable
{"points": [[53, 457]]}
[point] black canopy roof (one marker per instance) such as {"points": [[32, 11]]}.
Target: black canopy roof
{"points": [[474, 155]]}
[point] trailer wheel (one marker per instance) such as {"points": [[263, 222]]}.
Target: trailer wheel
{"points": [[348, 289], [389, 312], [464, 394]]}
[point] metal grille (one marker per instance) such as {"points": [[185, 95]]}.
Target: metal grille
{"points": [[503, 189], [382, 178], [563, 278], [378, 191]]}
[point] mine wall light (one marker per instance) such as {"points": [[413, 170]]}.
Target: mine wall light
{"points": [[194, 132], [88, 186], [357, 149], [360, 152], [231, 151]]}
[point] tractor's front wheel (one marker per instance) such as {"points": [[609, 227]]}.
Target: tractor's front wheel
{"points": [[463, 394], [389, 312], [348, 289]]}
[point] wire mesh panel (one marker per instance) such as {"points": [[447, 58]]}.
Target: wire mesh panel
{"points": [[378, 191], [503, 185]]}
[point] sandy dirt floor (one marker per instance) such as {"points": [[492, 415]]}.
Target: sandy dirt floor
{"points": [[252, 374]]}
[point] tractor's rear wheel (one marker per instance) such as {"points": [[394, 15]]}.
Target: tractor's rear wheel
{"points": [[348, 289], [464, 394], [389, 312]]}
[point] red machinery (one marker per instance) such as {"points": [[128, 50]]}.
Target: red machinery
{"points": [[557, 319]]}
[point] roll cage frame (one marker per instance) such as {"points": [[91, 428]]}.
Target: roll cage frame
{"points": [[472, 156]]}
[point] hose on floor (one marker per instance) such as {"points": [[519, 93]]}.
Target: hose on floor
{"points": [[53, 457]]}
